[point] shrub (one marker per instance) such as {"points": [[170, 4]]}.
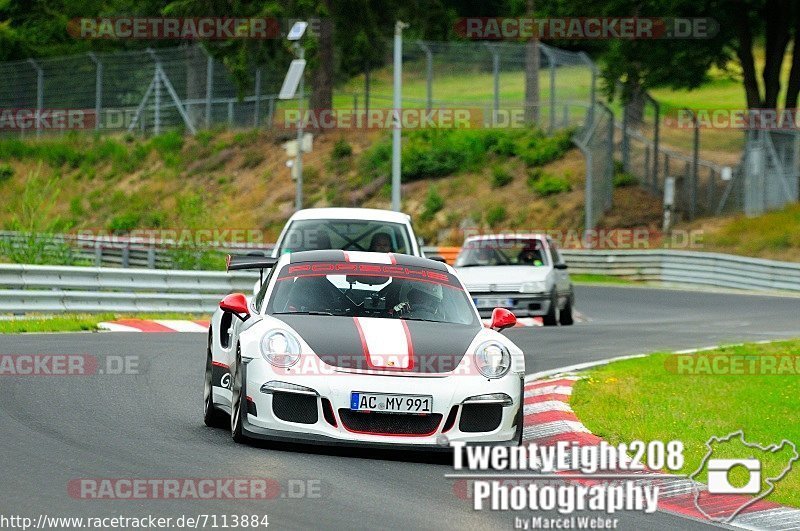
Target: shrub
{"points": [[495, 215], [124, 222], [625, 179], [169, 143], [500, 177], [251, 160], [6, 172], [551, 185], [542, 150], [433, 204], [341, 149]]}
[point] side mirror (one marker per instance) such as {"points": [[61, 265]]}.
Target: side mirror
{"points": [[502, 319], [437, 258], [561, 266], [236, 303]]}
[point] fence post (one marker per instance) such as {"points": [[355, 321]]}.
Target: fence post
{"points": [[126, 255], [98, 89], [39, 95], [695, 162], [647, 166], [625, 143], [156, 92], [588, 61], [270, 115], [496, 78], [151, 257], [209, 87], [609, 181], [98, 254], [257, 110], [552, 67], [656, 141], [428, 75]]}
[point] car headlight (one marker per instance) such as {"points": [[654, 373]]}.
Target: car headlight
{"points": [[281, 348], [492, 359], [533, 287]]}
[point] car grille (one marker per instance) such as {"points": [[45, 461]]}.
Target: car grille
{"points": [[293, 407], [390, 423], [493, 288], [480, 417]]}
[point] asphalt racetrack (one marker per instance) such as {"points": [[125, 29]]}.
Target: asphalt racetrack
{"points": [[149, 425]]}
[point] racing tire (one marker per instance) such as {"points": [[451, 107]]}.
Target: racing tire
{"points": [[565, 316], [213, 417], [238, 412], [551, 317]]}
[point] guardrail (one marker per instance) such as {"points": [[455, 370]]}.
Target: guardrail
{"points": [[30, 289], [689, 267]]}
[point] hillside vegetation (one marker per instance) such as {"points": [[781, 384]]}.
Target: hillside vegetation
{"points": [[513, 179]]}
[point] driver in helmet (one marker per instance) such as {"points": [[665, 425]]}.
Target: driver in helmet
{"points": [[422, 300]]}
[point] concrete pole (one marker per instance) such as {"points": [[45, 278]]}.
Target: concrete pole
{"points": [[398, 83]]}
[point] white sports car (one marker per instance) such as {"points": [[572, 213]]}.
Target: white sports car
{"points": [[350, 347]]}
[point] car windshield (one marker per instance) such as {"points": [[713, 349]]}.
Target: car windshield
{"points": [[348, 235], [370, 290], [502, 252]]}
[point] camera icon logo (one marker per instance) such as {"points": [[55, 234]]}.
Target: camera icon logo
{"points": [[738, 473], [719, 476]]}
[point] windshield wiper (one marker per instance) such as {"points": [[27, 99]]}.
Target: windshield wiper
{"points": [[302, 313]]}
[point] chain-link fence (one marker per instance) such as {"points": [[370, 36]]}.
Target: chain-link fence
{"points": [[714, 170], [148, 91], [595, 141]]}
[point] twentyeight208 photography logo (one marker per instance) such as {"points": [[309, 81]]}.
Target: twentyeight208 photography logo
{"points": [[739, 473]]}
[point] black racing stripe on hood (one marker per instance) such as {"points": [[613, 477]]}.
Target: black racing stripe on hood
{"points": [[334, 339], [438, 347]]}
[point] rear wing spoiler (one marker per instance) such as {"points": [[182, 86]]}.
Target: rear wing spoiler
{"points": [[236, 263]]}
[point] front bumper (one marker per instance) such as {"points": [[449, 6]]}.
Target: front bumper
{"points": [[522, 304], [335, 389]]}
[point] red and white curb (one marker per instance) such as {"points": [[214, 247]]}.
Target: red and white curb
{"points": [[160, 325], [166, 325], [548, 419]]}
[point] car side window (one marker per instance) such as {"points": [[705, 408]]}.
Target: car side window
{"points": [[263, 291], [556, 254]]}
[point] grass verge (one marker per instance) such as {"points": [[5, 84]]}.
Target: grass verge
{"points": [[74, 322], [646, 399]]}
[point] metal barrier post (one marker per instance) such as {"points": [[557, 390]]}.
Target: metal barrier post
{"points": [[98, 89], [428, 75], [257, 90], [39, 95]]}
